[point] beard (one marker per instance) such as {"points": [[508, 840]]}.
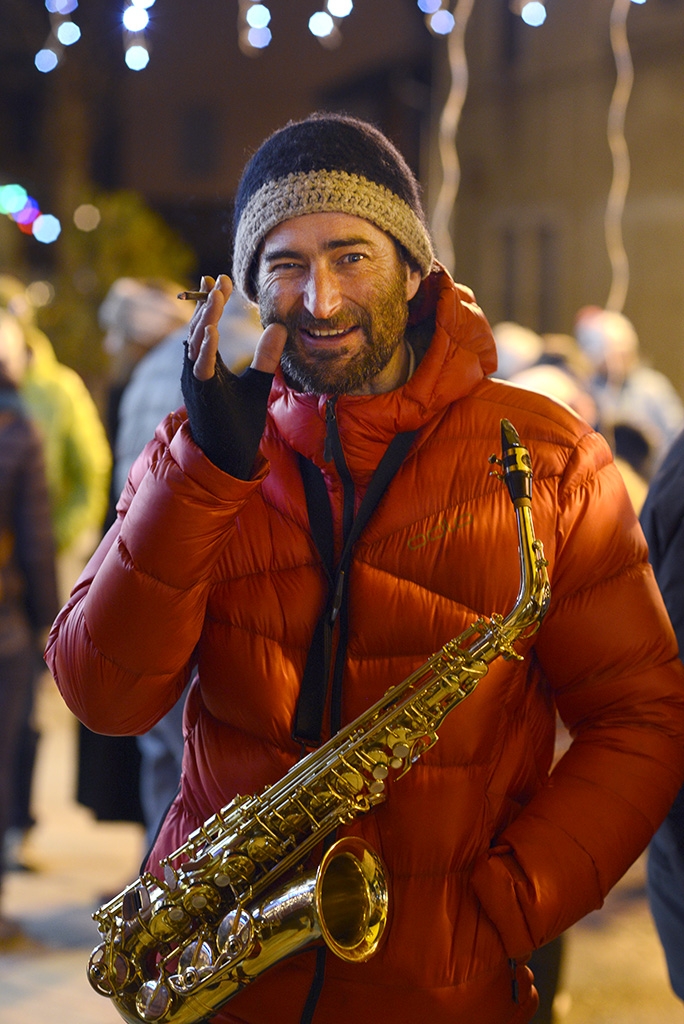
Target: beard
{"points": [[383, 325]]}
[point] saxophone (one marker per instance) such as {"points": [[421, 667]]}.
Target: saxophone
{"points": [[238, 897]]}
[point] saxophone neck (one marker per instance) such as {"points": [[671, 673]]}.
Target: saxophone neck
{"points": [[516, 472]]}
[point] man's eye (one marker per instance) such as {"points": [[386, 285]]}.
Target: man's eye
{"points": [[353, 257]]}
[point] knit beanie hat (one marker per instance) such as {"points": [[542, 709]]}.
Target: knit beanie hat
{"points": [[328, 163]]}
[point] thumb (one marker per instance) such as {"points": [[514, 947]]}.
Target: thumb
{"points": [[270, 348]]}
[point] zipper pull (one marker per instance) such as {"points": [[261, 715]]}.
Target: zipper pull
{"points": [[330, 427]]}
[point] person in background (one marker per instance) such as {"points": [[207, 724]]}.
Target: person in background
{"points": [[228, 557], [517, 348], [662, 519], [28, 580], [153, 391], [636, 403], [554, 365], [138, 316], [77, 452], [78, 464]]}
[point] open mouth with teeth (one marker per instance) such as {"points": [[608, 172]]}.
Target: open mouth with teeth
{"points": [[326, 333]]}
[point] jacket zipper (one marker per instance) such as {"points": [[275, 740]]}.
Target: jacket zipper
{"points": [[333, 452], [513, 964]]}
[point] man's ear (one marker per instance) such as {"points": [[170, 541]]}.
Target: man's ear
{"points": [[413, 279]]}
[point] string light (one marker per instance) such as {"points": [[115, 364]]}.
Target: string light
{"points": [[63, 32], [438, 18], [620, 153], [533, 13], [441, 23], [254, 35], [321, 24], [135, 20], [448, 127]]}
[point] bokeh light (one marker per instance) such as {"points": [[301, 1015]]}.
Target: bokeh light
{"points": [[61, 6], [46, 228], [340, 8], [533, 13], [321, 24], [46, 60], [28, 213], [68, 33], [143, 3], [137, 57], [12, 198], [40, 293], [135, 19], [259, 38], [87, 217], [429, 6], [258, 16], [442, 22]]}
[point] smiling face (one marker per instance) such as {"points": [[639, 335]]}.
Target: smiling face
{"points": [[338, 285]]}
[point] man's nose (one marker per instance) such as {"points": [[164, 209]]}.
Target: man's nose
{"points": [[322, 293]]}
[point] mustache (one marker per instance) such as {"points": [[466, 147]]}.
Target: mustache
{"points": [[301, 320], [339, 322]]}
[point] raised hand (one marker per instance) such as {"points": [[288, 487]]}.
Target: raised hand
{"points": [[227, 413]]}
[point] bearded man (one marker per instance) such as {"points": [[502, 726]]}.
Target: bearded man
{"points": [[238, 548]]}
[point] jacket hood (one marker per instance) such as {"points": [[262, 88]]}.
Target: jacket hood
{"points": [[455, 349]]}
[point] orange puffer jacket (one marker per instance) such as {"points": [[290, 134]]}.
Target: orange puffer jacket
{"points": [[487, 856]]}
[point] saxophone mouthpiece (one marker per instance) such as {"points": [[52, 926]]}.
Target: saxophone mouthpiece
{"points": [[517, 466]]}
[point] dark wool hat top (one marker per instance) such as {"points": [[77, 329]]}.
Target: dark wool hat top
{"points": [[327, 163]]}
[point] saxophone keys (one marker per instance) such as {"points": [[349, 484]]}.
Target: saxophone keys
{"points": [[235, 869], [235, 934], [199, 898], [400, 751], [381, 771], [135, 901], [349, 782], [170, 877], [262, 848], [108, 974], [152, 1000], [195, 965]]}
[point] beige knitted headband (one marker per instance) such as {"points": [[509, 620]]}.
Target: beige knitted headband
{"points": [[325, 192]]}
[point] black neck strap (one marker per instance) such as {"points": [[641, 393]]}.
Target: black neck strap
{"points": [[311, 705]]}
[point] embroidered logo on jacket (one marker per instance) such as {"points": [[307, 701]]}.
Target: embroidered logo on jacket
{"points": [[438, 531]]}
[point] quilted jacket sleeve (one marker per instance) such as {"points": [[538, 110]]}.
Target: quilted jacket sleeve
{"points": [[610, 655], [120, 649]]}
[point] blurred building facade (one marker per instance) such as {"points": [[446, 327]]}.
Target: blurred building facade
{"points": [[535, 164]]}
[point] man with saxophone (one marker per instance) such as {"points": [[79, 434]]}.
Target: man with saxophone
{"points": [[308, 534]]}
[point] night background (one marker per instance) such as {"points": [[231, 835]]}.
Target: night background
{"points": [[159, 150]]}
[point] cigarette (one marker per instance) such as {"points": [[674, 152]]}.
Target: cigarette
{"points": [[194, 296]]}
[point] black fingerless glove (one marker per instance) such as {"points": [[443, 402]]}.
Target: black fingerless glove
{"points": [[227, 414]]}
